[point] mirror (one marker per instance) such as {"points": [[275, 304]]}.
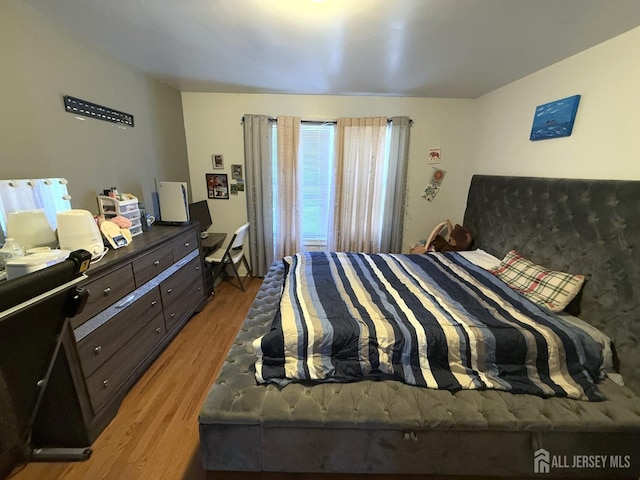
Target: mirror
{"points": [[49, 194]]}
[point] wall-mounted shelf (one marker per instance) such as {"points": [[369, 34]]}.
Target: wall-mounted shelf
{"points": [[93, 110]]}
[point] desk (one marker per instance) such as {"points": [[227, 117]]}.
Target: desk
{"points": [[212, 242]]}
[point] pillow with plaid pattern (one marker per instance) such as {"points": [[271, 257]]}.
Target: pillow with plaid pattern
{"points": [[549, 288]]}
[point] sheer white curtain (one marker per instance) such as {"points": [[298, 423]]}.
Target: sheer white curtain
{"points": [[258, 165], [287, 211], [367, 188], [360, 185]]}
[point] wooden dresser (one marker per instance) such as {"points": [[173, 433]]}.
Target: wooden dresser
{"points": [[140, 297]]}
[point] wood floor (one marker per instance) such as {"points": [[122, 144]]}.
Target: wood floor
{"points": [[155, 434]]}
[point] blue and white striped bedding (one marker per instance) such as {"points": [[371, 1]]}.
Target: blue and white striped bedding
{"points": [[435, 321]]}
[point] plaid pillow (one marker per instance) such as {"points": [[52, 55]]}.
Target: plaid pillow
{"points": [[549, 288]]}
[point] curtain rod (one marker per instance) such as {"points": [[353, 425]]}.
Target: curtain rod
{"points": [[319, 122]]}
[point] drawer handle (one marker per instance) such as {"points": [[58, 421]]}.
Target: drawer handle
{"points": [[107, 291], [173, 314], [169, 290], [153, 303], [158, 330], [156, 263], [105, 384], [98, 350], [199, 288], [126, 301], [197, 269], [186, 245]]}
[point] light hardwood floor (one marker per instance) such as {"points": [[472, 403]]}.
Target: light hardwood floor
{"points": [[155, 434]]}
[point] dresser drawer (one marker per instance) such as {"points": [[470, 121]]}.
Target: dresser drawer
{"points": [[184, 244], [173, 286], [151, 264], [175, 313], [102, 343], [105, 291], [105, 381]]}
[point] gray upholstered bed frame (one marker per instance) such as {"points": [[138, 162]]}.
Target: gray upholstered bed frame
{"points": [[582, 226]]}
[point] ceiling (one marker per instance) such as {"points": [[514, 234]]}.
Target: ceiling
{"points": [[422, 48]]}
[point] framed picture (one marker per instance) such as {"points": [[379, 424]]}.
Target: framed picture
{"points": [[236, 172], [218, 161], [435, 155], [554, 119], [217, 186], [234, 188]]}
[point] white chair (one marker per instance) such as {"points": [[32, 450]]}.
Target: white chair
{"points": [[232, 254]]}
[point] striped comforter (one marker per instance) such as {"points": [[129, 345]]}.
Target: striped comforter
{"points": [[435, 321]]}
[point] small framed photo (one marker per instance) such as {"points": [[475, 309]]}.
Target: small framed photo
{"points": [[236, 172], [234, 188], [217, 186], [218, 161], [435, 155]]}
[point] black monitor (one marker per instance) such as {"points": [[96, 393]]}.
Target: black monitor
{"points": [[199, 211]]}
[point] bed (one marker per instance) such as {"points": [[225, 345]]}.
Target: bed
{"points": [[383, 425]]}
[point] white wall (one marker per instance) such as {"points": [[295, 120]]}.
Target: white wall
{"points": [[606, 137], [41, 62], [488, 135], [212, 125]]}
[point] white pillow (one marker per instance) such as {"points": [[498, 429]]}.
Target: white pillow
{"points": [[481, 258]]}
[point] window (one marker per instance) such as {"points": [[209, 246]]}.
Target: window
{"points": [[316, 156], [359, 209], [316, 164]]}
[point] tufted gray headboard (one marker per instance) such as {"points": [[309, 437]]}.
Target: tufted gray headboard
{"points": [[579, 226]]}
